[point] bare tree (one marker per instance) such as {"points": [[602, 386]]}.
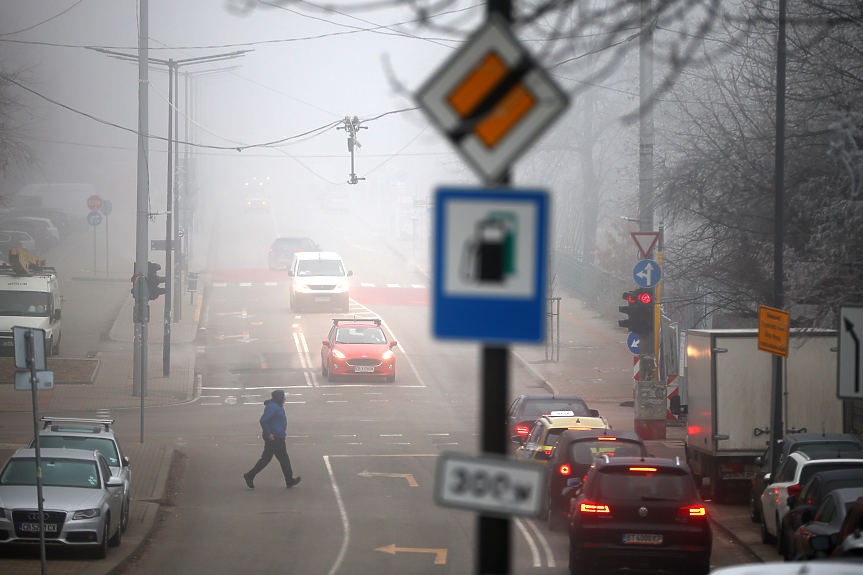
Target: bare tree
{"points": [[14, 153]]}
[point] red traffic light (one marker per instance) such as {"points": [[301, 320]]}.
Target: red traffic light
{"points": [[645, 298]]}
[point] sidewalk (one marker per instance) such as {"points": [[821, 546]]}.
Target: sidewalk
{"points": [[110, 389]]}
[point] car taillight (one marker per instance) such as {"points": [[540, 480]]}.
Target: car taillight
{"points": [[643, 469], [522, 429], [590, 507], [580, 428], [547, 451], [565, 469], [607, 438], [794, 490], [692, 511]]}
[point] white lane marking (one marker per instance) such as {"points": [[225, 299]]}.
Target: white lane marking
{"points": [[256, 388], [297, 316], [313, 380], [374, 393], [534, 551], [295, 402], [220, 285], [438, 433], [212, 403], [348, 435], [346, 526], [393, 285], [402, 349], [446, 443], [271, 283], [295, 325], [336, 401], [378, 400], [382, 435], [201, 397], [303, 363], [246, 284], [549, 554], [332, 394], [367, 285], [389, 443], [418, 286]]}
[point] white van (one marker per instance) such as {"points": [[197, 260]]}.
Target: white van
{"points": [[319, 279], [30, 301]]}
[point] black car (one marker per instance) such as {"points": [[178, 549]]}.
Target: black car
{"points": [[805, 442], [802, 507], [526, 409], [827, 521], [849, 542], [571, 458], [641, 513], [283, 250]]}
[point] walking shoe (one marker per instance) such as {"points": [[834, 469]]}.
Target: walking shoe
{"points": [[294, 481], [248, 479]]}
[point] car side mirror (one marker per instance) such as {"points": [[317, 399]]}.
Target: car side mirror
{"points": [[758, 461], [767, 477], [325, 343], [126, 462], [573, 482], [114, 482], [290, 274], [517, 439], [350, 272], [393, 343], [594, 413]]}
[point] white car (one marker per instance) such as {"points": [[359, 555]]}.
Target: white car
{"points": [[52, 229], [790, 478], [81, 506]]}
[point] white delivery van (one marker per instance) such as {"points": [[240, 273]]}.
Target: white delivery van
{"points": [[29, 297], [319, 280]]}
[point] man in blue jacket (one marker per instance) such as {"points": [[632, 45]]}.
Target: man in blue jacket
{"points": [[274, 424]]}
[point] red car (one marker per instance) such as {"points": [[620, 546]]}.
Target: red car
{"points": [[357, 347]]}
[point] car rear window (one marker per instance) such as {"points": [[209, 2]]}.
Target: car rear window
{"points": [[622, 482], [843, 447], [104, 446], [287, 245], [536, 408], [809, 470], [55, 473], [585, 451]]}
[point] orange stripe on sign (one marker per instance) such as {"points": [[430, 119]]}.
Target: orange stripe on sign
{"points": [[478, 85], [504, 116]]}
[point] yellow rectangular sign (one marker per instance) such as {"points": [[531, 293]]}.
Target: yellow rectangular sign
{"points": [[773, 330]]}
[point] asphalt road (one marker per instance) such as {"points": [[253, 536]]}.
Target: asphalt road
{"points": [[365, 449]]}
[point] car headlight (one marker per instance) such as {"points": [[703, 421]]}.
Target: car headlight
{"points": [[342, 285], [300, 286], [87, 514], [388, 354], [338, 354]]}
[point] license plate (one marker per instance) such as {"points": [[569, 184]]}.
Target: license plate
{"points": [[642, 539], [364, 369], [322, 299], [738, 475], [34, 527]]}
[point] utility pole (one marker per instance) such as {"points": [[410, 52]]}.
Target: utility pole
{"points": [[142, 303], [169, 214], [776, 422]]}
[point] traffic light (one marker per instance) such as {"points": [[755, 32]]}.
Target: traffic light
{"points": [[154, 280], [639, 308]]}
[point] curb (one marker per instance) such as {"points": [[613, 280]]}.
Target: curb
{"points": [[736, 540], [545, 383]]}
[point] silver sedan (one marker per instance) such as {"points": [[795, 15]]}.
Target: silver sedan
{"points": [[82, 500]]}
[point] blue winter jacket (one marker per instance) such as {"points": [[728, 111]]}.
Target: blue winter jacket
{"points": [[273, 421]]}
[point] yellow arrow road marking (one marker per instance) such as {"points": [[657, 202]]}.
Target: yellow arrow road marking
{"points": [[408, 476], [440, 554]]}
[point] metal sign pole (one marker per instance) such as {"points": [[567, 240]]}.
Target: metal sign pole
{"points": [[31, 352]]}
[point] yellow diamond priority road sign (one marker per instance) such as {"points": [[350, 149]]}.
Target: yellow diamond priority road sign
{"points": [[491, 99]]}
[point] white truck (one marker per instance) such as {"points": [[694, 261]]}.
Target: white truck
{"points": [[729, 383], [29, 297]]}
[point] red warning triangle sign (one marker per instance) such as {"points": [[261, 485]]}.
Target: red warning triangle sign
{"points": [[645, 239]]}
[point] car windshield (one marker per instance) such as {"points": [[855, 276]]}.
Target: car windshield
{"points": [[104, 446], [320, 268], [360, 335], [619, 482], [536, 408], [586, 451], [55, 472], [24, 303]]}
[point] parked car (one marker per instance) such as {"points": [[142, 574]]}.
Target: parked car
{"points": [[61, 220], [283, 249], [806, 442], [828, 521], [792, 474], [26, 241], [802, 508], [44, 239], [526, 409], [89, 435], [849, 541], [640, 513], [46, 224], [572, 457], [81, 500], [7, 242]]}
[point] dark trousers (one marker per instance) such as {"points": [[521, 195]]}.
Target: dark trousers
{"points": [[274, 447]]}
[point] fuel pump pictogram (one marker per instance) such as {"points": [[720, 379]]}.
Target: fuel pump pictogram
{"points": [[489, 255]]}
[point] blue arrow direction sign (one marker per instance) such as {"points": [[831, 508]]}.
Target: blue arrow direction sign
{"points": [[646, 273], [632, 342], [94, 218]]}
